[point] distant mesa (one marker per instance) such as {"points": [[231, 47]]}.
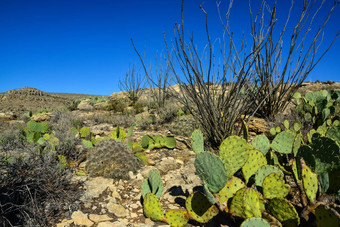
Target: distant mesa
{"points": [[26, 91]]}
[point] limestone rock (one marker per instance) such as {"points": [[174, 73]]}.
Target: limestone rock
{"points": [[101, 106], [85, 105], [96, 186], [117, 210], [41, 117], [79, 218], [99, 218]]}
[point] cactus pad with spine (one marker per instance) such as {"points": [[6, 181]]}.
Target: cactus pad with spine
{"points": [[246, 203], [199, 208], [284, 211], [177, 218], [112, 159], [274, 186], [197, 141], [283, 142], [169, 142], [263, 172], [310, 181], [234, 152], [255, 222], [152, 207], [255, 161], [153, 184], [326, 216], [146, 141], [211, 171], [228, 191], [326, 153], [261, 143], [334, 133], [251, 203]]}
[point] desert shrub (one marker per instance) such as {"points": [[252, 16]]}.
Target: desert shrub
{"points": [[117, 105], [73, 105], [62, 122], [138, 107], [122, 120], [35, 191]]}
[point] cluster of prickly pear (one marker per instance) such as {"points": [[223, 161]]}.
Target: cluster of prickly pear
{"points": [[264, 166], [111, 159], [149, 142], [317, 106]]}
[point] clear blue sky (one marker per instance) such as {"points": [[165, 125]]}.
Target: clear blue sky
{"points": [[83, 46]]}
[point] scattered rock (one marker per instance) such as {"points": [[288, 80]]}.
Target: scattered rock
{"points": [[117, 210], [101, 106], [41, 117], [85, 105], [79, 218], [99, 218], [96, 186]]}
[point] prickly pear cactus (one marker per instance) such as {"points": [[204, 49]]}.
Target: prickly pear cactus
{"points": [[265, 171], [177, 218], [283, 142], [153, 184], [284, 211], [255, 161], [274, 186], [255, 222], [310, 181], [152, 207], [112, 159], [211, 171], [169, 142], [197, 141], [146, 141], [261, 143], [326, 216], [246, 203], [199, 208], [228, 191], [234, 152]]}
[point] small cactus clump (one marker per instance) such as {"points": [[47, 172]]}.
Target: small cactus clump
{"points": [[112, 159]]}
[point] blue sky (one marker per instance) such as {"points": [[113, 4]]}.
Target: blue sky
{"points": [[83, 46]]}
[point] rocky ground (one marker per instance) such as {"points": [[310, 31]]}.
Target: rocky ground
{"points": [[108, 202]]}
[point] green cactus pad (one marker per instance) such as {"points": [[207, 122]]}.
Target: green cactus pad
{"points": [[296, 171], [153, 184], [159, 141], [177, 218], [152, 207], [326, 153], [261, 143], [255, 222], [236, 206], [169, 142], [283, 142], [234, 152], [246, 203], [228, 191], [255, 161], [297, 144], [251, 203], [211, 171], [118, 134], [263, 172], [283, 211], [274, 186], [197, 141], [323, 179], [208, 194], [334, 133], [326, 216], [310, 181], [146, 140], [37, 127], [84, 132], [199, 208]]}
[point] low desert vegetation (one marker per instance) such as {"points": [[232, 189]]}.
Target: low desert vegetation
{"points": [[285, 175]]}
